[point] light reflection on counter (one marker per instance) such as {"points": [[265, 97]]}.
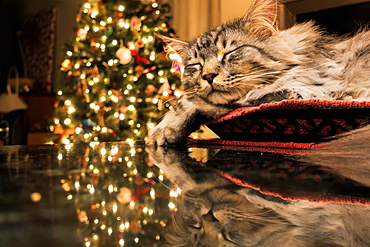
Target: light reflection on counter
{"points": [[120, 198]]}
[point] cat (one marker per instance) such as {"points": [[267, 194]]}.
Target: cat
{"points": [[248, 62], [212, 211]]}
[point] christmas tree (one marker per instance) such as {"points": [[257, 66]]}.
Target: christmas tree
{"points": [[119, 82]]}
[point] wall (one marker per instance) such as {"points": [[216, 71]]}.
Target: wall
{"points": [[65, 24], [193, 17], [231, 9]]}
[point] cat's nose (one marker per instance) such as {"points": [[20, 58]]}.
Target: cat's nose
{"points": [[209, 77], [210, 217]]}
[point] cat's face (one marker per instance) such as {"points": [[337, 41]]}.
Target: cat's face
{"points": [[219, 217], [225, 63]]}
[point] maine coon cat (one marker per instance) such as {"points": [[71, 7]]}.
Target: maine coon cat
{"points": [[215, 212], [248, 62]]}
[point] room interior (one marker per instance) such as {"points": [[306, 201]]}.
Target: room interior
{"points": [[338, 17], [274, 183]]}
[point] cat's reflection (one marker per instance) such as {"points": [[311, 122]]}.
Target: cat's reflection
{"points": [[216, 212]]}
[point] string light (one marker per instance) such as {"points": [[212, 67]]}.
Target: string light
{"points": [[94, 14]]}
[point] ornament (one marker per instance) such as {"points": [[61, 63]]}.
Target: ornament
{"points": [[66, 65], [124, 55], [139, 70], [124, 195], [138, 57], [82, 33], [118, 14], [93, 43], [95, 72], [135, 23], [101, 119], [85, 91], [87, 126], [150, 90], [139, 43]]}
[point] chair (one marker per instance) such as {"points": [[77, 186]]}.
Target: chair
{"points": [[14, 121]]}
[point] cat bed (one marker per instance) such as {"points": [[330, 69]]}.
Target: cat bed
{"points": [[289, 123], [277, 177]]}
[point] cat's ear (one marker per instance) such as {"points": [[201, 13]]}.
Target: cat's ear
{"points": [[261, 18], [173, 45]]}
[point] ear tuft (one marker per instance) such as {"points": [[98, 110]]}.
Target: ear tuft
{"points": [[173, 45], [261, 18]]}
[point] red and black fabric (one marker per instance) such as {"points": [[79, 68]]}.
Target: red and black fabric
{"points": [[276, 175], [290, 123]]}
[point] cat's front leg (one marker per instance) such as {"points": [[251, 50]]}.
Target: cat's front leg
{"points": [[185, 118], [176, 126]]}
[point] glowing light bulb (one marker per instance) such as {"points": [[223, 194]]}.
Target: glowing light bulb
{"points": [[71, 110], [94, 14], [131, 107], [121, 242]]}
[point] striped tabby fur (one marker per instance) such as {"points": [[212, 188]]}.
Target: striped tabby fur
{"points": [[249, 61]]}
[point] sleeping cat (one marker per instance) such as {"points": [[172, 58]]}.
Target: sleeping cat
{"points": [[248, 62], [215, 212]]}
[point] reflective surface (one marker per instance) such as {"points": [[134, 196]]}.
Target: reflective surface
{"points": [[117, 194]]}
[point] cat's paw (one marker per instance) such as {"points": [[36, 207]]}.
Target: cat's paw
{"points": [[163, 135], [166, 157]]}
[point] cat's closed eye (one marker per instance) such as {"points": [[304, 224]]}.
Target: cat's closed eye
{"points": [[190, 69], [196, 226]]}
